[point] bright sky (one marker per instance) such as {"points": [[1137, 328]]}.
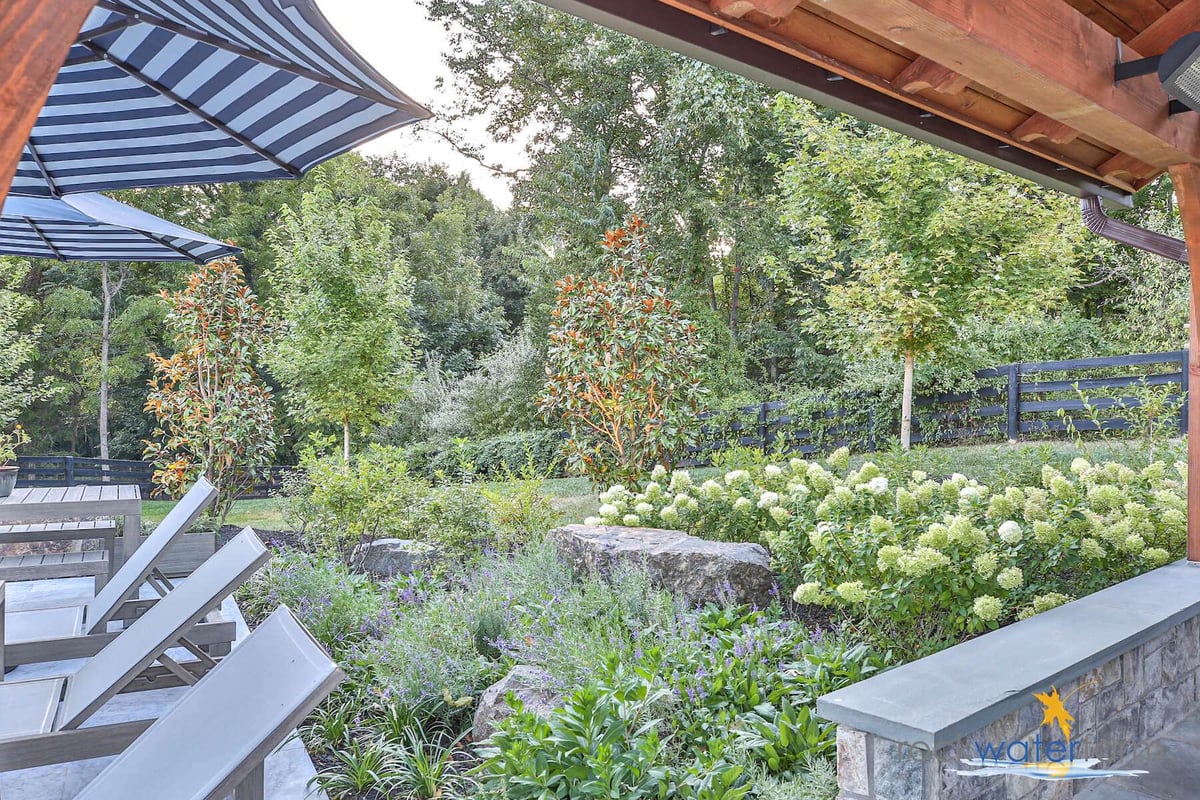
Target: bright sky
{"points": [[398, 40]]}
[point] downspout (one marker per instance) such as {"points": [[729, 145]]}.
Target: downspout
{"points": [[1099, 223]]}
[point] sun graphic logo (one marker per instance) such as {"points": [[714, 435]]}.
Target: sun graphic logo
{"points": [[1054, 712], [1047, 758]]}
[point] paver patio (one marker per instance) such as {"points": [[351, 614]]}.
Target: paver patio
{"points": [[1172, 764], [288, 770]]}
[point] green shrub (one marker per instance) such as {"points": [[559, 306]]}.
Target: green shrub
{"points": [[339, 506], [955, 557], [748, 672], [604, 742], [532, 451], [497, 457], [442, 642], [340, 607], [929, 560], [745, 505]]}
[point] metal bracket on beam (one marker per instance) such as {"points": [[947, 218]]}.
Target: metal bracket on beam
{"points": [[1133, 69]]}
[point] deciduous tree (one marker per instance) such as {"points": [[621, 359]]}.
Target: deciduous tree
{"points": [[913, 240], [343, 296]]}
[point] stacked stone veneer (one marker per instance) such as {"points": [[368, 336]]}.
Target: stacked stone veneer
{"points": [[1117, 706]]}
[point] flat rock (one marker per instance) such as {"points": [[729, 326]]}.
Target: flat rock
{"points": [[695, 569], [532, 686], [388, 557]]}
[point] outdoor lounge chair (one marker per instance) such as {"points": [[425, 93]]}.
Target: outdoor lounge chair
{"points": [[41, 719], [55, 634], [214, 739]]}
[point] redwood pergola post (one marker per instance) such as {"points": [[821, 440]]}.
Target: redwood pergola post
{"points": [[35, 37], [1186, 178]]}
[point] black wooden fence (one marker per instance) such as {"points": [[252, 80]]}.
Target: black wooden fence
{"points": [[77, 470], [1013, 402]]}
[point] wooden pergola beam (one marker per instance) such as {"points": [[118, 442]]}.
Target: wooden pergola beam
{"points": [[740, 8], [1162, 33], [1039, 126], [924, 73], [1043, 54], [35, 37], [1186, 178]]}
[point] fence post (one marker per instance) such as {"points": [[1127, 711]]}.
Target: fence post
{"points": [[762, 426], [1183, 390], [871, 428], [1014, 402], [69, 463]]}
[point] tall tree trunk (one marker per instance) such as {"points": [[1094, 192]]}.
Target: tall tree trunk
{"points": [[734, 293], [106, 296], [712, 293], [346, 438], [109, 289], [906, 402]]}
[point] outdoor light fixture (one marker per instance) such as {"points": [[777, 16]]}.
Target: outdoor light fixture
{"points": [[717, 30], [1178, 71]]}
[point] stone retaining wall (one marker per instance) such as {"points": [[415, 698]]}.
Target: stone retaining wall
{"points": [[1118, 703]]}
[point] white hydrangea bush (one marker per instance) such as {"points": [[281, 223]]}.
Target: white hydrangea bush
{"points": [[949, 554]]}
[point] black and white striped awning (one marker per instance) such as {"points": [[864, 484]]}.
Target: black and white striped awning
{"points": [[92, 227], [168, 92]]}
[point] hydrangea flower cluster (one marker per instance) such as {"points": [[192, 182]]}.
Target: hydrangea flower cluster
{"points": [[973, 557], [912, 548]]}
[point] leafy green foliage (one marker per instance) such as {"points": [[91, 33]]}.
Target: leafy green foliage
{"points": [[622, 365], [341, 608], [343, 296], [215, 414], [602, 743], [498, 457], [339, 506], [19, 384]]}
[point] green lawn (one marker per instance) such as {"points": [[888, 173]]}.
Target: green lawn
{"points": [[260, 514]]}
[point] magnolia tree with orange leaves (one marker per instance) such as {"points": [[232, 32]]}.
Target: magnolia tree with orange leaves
{"points": [[622, 366], [215, 415]]}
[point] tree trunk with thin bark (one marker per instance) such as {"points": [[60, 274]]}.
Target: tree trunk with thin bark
{"points": [[346, 438], [106, 298], [734, 292], [906, 402]]}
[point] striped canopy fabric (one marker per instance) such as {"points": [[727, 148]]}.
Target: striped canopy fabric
{"points": [[92, 227], [169, 92]]}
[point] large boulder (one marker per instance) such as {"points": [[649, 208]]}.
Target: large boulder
{"points": [[695, 569], [388, 557], [534, 688]]}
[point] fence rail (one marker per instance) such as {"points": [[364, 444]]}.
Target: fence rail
{"points": [[1014, 401], [47, 471]]}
